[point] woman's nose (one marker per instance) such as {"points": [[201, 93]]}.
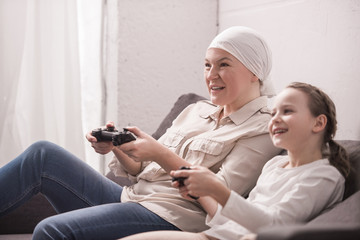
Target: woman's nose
{"points": [[212, 74]]}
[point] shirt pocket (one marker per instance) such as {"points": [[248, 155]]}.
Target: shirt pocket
{"points": [[205, 152], [173, 140]]}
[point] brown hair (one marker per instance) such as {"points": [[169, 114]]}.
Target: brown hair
{"points": [[320, 103]]}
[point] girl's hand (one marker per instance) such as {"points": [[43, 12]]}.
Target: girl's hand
{"points": [[144, 148], [101, 147], [200, 181]]}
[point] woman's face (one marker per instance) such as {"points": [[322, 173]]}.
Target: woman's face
{"points": [[229, 82], [292, 123]]}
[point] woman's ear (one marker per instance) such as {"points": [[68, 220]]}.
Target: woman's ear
{"points": [[320, 123], [255, 78]]}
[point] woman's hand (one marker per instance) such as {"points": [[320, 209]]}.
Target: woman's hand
{"points": [[101, 147], [200, 181], [145, 148]]}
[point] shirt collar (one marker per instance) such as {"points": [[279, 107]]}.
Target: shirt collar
{"points": [[240, 115]]}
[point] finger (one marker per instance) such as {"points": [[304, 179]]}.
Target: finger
{"points": [[127, 147], [110, 124], [90, 137], [175, 184], [183, 190], [135, 130], [182, 173]]}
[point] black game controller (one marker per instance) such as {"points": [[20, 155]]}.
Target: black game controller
{"points": [[181, 181], [111, 134]]}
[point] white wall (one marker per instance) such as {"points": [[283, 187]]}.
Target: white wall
{"points": [[161, 48], [314, 41]]}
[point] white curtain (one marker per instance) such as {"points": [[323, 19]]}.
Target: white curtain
{"points": [[41, 96]]}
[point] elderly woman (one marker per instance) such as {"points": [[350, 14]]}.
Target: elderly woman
{"points": [[227, 135]]}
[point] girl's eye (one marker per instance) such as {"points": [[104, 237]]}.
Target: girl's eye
{"points": [[273, 114], [287, 111]]}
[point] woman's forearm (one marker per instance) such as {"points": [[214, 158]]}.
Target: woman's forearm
{"points": [[129, 165], [169, 160]]}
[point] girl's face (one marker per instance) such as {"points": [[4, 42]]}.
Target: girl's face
{"points": [[227, 79], [292, 123]]}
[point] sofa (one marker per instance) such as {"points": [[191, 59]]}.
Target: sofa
{"points": [[341, 222]]}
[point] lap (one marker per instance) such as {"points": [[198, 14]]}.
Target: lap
{"points": [[108, 221]]}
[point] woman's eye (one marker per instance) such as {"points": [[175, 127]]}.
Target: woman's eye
{"points": [[224, 65], [207, 65]]}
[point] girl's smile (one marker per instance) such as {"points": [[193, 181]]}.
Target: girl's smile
{"points": [[292, 121]]}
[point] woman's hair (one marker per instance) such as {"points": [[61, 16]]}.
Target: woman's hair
{"points": [[320, 103]]}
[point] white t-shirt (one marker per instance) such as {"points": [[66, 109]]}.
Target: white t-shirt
{"points": [[281, 196]]}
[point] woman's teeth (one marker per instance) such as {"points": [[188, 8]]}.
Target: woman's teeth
{"points": [[217, 88]]}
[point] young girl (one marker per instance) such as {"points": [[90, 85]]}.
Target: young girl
{"points": [[292, 188]]}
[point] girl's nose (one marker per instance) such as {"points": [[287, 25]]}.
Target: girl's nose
{"points": [[275, 118]]}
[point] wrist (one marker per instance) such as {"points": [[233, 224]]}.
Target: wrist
{"points": [[221, 193]]}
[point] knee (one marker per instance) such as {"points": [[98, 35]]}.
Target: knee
{"points": [[41, 146], [38, 152], [48, 229]]}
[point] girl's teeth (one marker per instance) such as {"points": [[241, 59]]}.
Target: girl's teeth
{"points": [[279, 131]]}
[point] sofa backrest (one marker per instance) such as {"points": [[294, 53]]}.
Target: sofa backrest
{"points": [[353, 182], [181, 103]]}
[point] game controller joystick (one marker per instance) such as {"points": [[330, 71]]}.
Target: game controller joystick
{"points": [[111, 134]]}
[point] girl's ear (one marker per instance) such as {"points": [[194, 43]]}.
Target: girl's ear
{"points": [[320, 123]]}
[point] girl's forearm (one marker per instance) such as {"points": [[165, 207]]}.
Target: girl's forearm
{"points": [[220, 192], [209, 204]]}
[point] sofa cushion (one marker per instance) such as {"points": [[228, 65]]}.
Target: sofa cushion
{"points": [[348, 211], [25, 218]]}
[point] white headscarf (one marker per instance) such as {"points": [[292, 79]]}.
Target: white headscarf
{"points": [[250, 48]]}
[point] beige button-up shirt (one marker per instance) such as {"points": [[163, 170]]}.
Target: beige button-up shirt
{"points": [[235, 148]]}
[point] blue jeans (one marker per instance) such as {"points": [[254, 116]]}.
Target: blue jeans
{"points": [[88, 203]]}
